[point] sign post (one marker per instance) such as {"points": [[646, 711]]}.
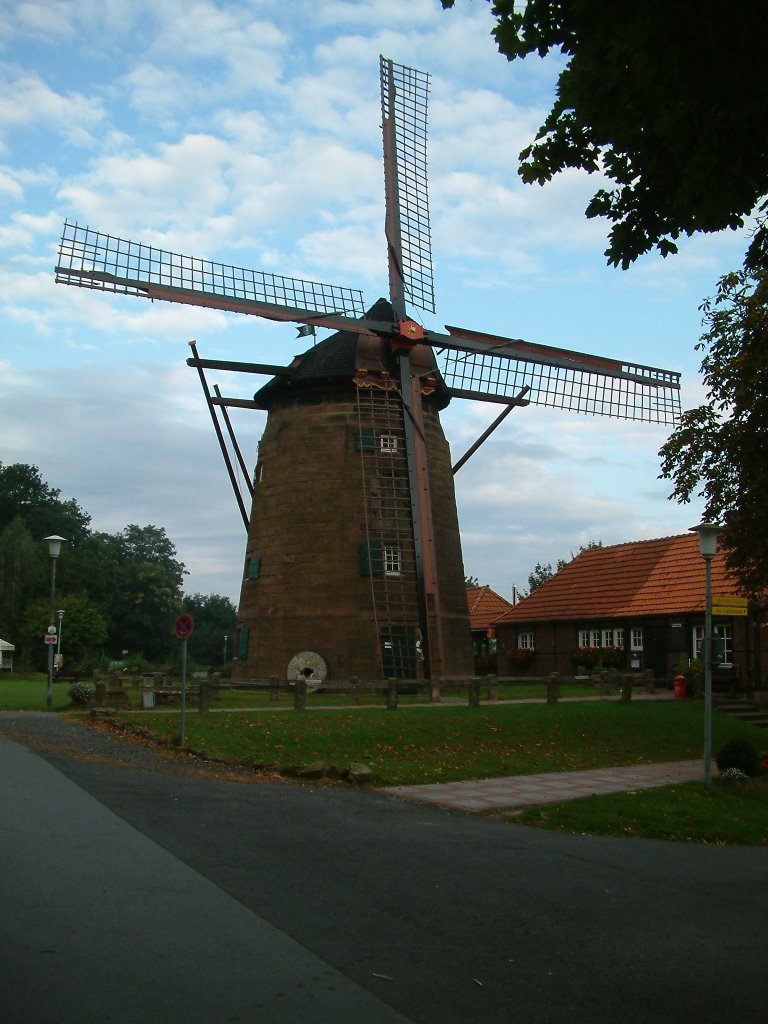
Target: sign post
{"points": [[183, 628]]}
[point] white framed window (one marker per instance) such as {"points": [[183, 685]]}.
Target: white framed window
{"points": [[525, 641], [391, 560], [724, 632], [618, 637], [595, 636], [636, 639], [388, 444], [583, 638]]}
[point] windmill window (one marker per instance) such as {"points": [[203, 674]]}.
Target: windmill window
{"points": [[388, 444], [242, 643], [525, 641], [258, 472], [365, 440], [392, 561], [253, 567]]}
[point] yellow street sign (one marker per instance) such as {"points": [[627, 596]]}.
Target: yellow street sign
{"points": [[726, 604]]}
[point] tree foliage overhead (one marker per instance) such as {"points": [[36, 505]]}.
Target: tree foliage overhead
{"points": [[718, 449], [667, 100]]}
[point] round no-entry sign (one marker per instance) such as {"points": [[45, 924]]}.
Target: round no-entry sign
{"points": [[183, 626]]}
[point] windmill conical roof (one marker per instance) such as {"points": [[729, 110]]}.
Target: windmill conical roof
{"points": [[336, 359]]}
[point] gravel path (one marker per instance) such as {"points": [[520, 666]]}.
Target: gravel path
{"points": [[54, 735]]}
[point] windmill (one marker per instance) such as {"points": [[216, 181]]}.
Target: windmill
{"points": [[353, 561]]}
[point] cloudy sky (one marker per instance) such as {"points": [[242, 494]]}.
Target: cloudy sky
{"points": [[249, 132]]}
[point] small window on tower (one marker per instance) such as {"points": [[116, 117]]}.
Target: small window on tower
{"points": [[391, 560], [388, 444]]}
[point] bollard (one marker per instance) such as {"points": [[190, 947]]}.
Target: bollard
{"points": [[101, 693], [473, 693], [434, 693], [626, 690], [300, 694], [492, 692], [274, 689], [553, 688], [392, 695], [354, 684]]}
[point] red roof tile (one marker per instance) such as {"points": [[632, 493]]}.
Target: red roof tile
{"points": [[649, 577], [485, 607]]}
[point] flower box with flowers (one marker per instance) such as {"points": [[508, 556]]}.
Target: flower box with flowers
{"points": [[519, 658]]}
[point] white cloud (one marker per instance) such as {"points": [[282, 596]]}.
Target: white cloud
{"points": [[27, 102]]}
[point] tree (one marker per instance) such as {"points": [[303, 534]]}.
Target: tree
{"points": [[718, 448], [25, 495], [665, 99], [84, 630], [215, 617], [145, 591], [23, 575], [541, 573], [471, 582]]}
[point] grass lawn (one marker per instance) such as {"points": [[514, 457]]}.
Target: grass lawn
{"points": [[439, 744], [29, 694], [730, 812]]}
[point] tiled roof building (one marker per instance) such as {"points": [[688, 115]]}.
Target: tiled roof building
{"points": [[638, 605]]}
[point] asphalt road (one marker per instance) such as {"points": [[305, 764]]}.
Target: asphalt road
{"points": [[130, 895]]}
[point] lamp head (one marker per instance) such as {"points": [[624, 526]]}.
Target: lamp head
{"points": [[707, 539], [54, 544]]}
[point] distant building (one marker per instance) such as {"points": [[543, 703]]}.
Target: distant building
{"points": [[6, 656], [632, 606], [485, 607]]}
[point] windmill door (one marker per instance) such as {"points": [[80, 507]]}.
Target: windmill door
{"points": [[399, 654]]}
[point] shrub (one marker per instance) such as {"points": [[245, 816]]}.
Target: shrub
{"points": [[738, 753], [82, 693]]}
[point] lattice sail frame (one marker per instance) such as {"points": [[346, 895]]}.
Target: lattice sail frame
{"points": [[92, 259], [404, 102], [645, 394]]}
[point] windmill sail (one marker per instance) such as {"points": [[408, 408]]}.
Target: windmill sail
{"points": [[404, 98], [92, 259], [557, 378]]}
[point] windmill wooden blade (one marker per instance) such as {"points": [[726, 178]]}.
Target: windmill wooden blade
{"points": [[404, 97], [490, 368], [92, 259]]}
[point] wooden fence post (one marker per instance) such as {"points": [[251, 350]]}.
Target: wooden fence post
{"points": [[354, 683], [391, 694], [204, 695], [473, 693], [553, 688], [492, 691], [274, 689], [300, 694]]}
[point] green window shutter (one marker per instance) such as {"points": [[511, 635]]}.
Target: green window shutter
{"points": [[371, 559], [242, 649], [365, 440], [254, 567]]}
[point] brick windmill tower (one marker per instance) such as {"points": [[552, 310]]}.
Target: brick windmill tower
{"points": [[353, 561]]}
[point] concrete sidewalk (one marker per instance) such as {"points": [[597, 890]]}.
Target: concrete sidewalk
{"points": [[526, 790]]}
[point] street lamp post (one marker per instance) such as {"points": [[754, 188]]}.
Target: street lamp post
{"points": [[54, 550], [226, 639], [60, 644], [708, 549]]}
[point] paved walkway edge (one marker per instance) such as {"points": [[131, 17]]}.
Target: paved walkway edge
{"points": [[551, 787]]}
